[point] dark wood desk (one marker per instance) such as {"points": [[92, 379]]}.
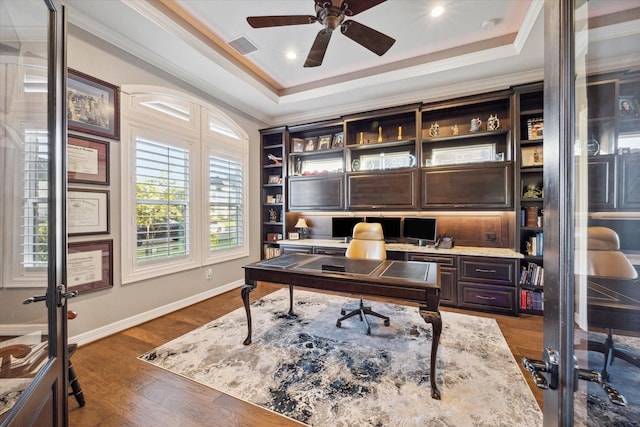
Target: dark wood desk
{"points": [[404, 280]]}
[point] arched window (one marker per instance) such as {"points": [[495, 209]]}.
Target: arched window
{"points": [[184, 187]]}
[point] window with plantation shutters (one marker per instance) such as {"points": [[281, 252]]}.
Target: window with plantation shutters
{"points": [[34, 220], [226, 199], [162, 201], [184, 184]]}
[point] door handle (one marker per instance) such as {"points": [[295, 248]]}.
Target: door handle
{"points": [[63, 294], [550, 366], [35, 298], [62, 289], [594, 376]]}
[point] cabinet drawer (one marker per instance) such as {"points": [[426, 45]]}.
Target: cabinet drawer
{"points": [[488, 270], [329, 251], [440, 259], [295, 249], [487, 297]]}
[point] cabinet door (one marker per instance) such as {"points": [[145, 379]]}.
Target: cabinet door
{"points": [[481, 185], [448, 276], [318, 192], [382, 190], [602, 182], [448, 286], [629, 181]]}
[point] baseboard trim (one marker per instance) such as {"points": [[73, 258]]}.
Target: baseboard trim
{"points": [[121, 325]]}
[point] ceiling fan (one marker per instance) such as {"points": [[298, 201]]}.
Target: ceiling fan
{"points": [[331, 14]]}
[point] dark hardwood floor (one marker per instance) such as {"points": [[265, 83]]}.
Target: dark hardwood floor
{"points": [[122, 391]]}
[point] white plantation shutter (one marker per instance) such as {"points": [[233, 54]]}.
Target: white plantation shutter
{"points": [[162, 200], [226, 219], [34, 220]]}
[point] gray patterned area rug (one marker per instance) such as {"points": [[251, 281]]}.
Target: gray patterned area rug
{"points": [[592, 407], [305, 368]]}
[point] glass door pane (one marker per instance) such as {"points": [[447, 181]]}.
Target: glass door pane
{"points": [[24, 208], [606, 237]]}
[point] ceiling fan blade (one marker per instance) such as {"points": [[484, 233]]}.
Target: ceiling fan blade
{"points": [[279, 21], [357, 6], [319, 48], [373, 40]]}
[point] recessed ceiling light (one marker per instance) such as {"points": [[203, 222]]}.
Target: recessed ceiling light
{"points": [[437, 11], [291, 55]]}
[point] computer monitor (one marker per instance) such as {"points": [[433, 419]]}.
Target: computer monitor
{"points": [[342, 226], [391, 226], [423, 229]]}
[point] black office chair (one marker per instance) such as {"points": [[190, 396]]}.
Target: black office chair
{"points": [[367, 243]]}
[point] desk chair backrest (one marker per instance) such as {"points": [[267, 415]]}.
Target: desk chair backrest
{"points": [[604, 258], [367, 242]]}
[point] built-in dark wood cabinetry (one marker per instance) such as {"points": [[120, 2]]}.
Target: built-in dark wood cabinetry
{"points": [[469, 186], [466, 153], [611, 142], [529, 128], [487, 284], [316, 167], [272, 181], [630, 181]]}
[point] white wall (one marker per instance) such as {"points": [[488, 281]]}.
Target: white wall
{"points": [[104, 312]]}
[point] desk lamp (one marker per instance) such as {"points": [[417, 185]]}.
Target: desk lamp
{"points": [[302, 227]]}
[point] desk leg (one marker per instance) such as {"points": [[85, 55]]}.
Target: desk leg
{"points": [[245, 291], [290, 300], [434, 318]]}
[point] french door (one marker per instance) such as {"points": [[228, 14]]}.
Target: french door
{"points": [[592, 67], [32, 202]]}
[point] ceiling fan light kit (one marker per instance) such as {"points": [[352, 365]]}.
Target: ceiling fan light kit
{"points": [[332, 16]]}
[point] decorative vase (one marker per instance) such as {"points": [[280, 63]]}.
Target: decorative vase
{"points": [[475, 124]]}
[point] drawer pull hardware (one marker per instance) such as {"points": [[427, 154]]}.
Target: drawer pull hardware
{"points": [[484, 270], [486, 298]]}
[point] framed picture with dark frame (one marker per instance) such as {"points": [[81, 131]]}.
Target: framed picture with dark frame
{"points": [[310, 143], [532, 156], [87, 160], [338, 140], [87, 211], [324, 142], [90, 266], [93, 105], [627, 107], [297, 145], [535, 128]]}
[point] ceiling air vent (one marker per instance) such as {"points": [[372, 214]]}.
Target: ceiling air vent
{"points": [[243, 45]]}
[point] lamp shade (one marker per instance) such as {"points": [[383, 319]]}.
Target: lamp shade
{"points": [[301, 223]]}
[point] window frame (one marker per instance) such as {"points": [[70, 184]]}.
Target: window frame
{"points": [[195, 133], [215, 147]]}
